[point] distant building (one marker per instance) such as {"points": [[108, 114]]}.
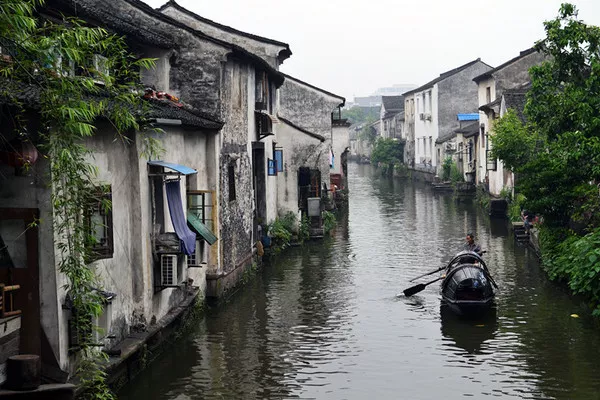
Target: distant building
{"points": [[436, 105], [391, 116]]}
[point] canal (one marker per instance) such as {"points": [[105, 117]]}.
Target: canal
{"points": [[324, 321]]}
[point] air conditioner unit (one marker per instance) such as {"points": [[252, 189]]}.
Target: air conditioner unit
{"points": [[263, 122], [168, 269], [422, 116], [428, 117], [451, 146]]}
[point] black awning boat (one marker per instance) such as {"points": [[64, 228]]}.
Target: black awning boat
{"points": [[468, 287]]}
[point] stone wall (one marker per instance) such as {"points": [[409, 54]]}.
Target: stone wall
{"points": [[307, 107], [458, 94]]}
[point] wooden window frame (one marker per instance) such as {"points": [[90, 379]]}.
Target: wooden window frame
{"points": [[105, 250]]}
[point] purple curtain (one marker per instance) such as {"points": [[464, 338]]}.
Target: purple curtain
{"points": [[187, 237]]}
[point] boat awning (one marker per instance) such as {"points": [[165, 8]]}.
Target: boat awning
{"points": [[201, 229], [182, 169]]}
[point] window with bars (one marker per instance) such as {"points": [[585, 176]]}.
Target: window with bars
{"points": [[100, 223], [492, 162], [201, 204], [168, 269]]}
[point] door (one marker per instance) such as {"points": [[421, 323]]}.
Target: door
{"points": [[19, 266], [260, 185]]}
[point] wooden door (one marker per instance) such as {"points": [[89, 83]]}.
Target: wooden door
{"points": [[19, 266]]}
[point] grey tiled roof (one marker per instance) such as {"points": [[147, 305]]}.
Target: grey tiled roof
{"points": [[187, 116], [393, 103]]}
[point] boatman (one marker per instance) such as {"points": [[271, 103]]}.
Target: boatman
{"points": [[471, 245]]}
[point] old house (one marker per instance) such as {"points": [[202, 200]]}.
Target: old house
{"points": [[436, 105], [314, 138], [491, 86], [409, 130], [180, 226], [392, 117], [459, 145]]}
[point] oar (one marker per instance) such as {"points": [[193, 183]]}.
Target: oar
{"points": [[429, 273], [417, 288]]}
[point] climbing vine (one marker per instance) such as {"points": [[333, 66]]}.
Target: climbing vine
{"points": [[78, 75]]}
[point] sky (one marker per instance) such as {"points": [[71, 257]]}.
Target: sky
{"points": [[352, 48]]}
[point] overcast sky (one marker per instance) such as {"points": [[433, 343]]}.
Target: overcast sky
{"points": [[352, 47]]}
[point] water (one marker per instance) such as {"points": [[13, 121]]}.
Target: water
{"points": [[325, 322]]}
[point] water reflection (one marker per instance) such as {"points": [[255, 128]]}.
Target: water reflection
{"points": [[324, 321], [468, 334]]}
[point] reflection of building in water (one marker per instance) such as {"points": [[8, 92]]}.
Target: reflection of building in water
{"points": [[467, 333]]}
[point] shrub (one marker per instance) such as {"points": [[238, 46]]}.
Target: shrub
{"points": [[328, 221], [574, 259]]}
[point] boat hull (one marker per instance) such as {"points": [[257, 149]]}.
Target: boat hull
{"points": [[467, 289]]}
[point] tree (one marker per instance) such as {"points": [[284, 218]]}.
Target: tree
{"points": [[54, 61], [556, 155], [387, 153], [358, 115]]}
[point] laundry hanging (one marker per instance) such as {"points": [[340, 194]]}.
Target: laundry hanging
{"points": [[331, 158], [187, 237]]}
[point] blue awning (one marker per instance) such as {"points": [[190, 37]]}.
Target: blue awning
{"points": [[182, 169], [468, 117]]}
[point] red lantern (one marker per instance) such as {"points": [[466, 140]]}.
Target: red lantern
{"points": [[19, 153]]}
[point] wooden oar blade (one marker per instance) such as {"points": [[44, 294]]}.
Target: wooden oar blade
{"points": [[414, 290]]}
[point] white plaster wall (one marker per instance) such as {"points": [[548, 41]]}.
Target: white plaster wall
{"points": [[426, 130], [299, 150], [483, 119], [158, 76], [122, 167], [340, 139]]}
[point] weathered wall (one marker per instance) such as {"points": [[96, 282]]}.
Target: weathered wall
{"points": [[299, 150], [515, 74], [267, 51], [195, 70], [130, 272], [307, 107], [236, 216], [458, 94]]}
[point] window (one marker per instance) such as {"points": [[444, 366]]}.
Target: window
{"points": [[429, 102], [488, 95], [492, 163], [200, 203], [99, 221], [482, 130], [271, 167], [470, 151], [168, 270], [262, 93], [102, 71], [278, 156], [231, 178]]}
